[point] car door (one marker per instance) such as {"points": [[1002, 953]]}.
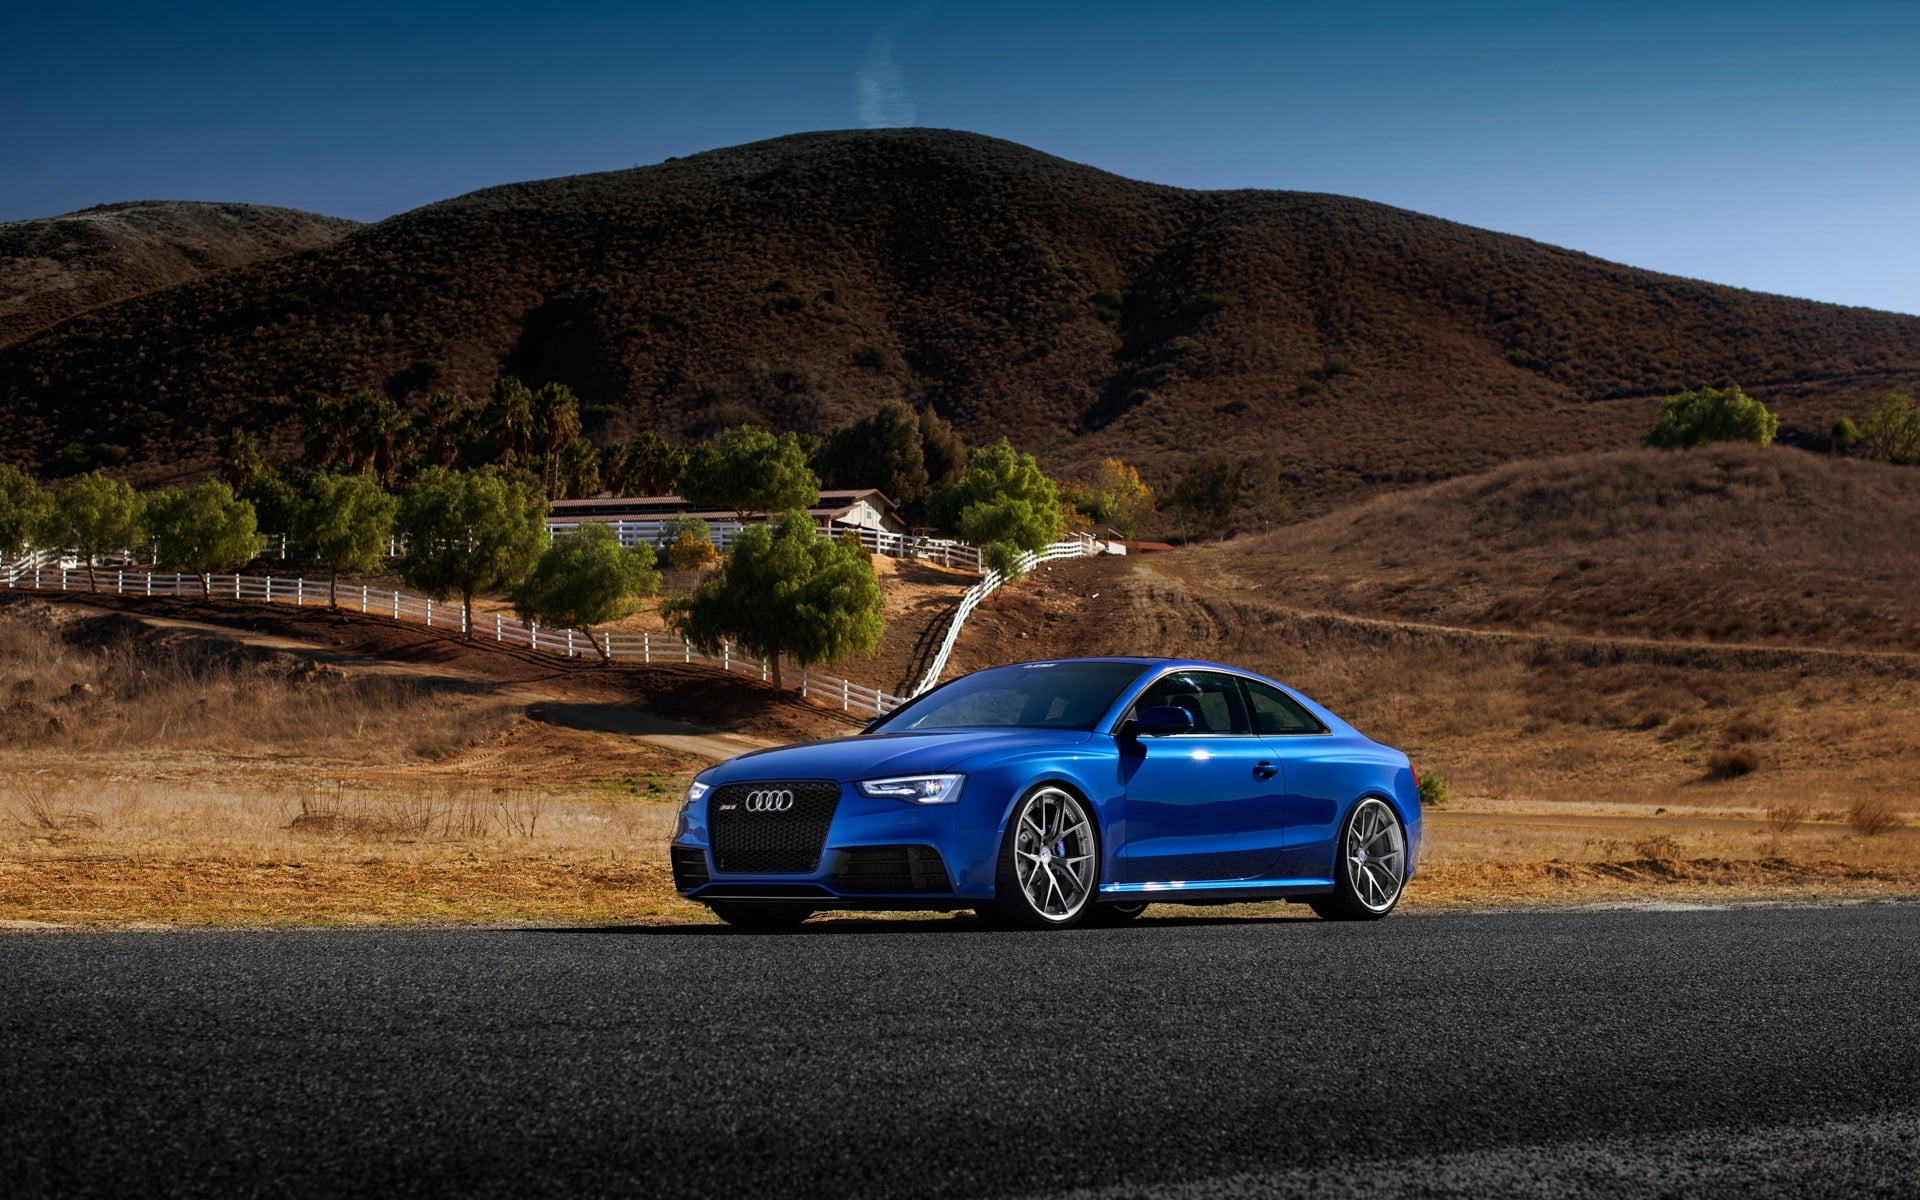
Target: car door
{"points": [[1304, 814], [1190, 796]]}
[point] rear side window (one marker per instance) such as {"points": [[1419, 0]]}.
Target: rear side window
{"points": [[1213, 700], [1276, 712]]}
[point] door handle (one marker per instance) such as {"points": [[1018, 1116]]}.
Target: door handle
{"points": [[1264, 770]]}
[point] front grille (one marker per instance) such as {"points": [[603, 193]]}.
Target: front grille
{"points": [[891, 869], [786, 841], [689, 867]]}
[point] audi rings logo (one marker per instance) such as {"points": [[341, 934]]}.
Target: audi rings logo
{"points": [[768, 801]]}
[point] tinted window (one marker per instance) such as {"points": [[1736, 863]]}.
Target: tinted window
{"points": [[1213, 700], [1067, 695], [1276, 712]]}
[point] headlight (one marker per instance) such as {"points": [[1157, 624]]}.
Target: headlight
{"points": [[696, 792], [920, 789]]}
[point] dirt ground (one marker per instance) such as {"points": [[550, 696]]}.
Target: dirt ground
{"points": [[142, 781]]}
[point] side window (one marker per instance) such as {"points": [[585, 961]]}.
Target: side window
{"points": [[1213, 699], [1276, 712]]}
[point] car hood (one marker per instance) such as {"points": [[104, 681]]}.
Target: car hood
{"points": [[876, 755]]}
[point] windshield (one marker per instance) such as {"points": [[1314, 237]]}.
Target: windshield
{"points": [[1059, 695]]}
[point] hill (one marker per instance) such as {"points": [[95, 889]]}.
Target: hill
{"points": [[805, 279], [53, 268], [1727, 543]]}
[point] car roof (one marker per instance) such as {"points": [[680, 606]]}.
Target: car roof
{"points": [[1136, 658]]}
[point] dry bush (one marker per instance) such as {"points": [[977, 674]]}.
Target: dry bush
{"points": [[1870, 816], [1731, 764], [1748, 728], [1659, 848], [1787, 816]]}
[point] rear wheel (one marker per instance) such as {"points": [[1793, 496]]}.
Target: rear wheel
{"points": [[1049, 863], [746, 915], [1370, 871]]}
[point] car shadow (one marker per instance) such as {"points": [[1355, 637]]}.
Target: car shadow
{"points": [[865, 926]]}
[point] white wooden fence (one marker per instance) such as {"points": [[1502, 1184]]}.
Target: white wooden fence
{"points": [[1079, 547], [34, 573], [944, 551]]}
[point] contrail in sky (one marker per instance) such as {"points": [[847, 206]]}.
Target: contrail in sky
{"points": [[879, 90]]}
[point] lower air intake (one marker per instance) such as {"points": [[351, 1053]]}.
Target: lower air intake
{"points": [[891, 869], [689, 868]]}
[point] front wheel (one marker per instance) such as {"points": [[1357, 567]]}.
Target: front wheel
{"points": [[1370, 872], [747, 915], [1049, 863]]}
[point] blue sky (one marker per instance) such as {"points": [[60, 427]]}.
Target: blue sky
{"points": [[1767, 146]]}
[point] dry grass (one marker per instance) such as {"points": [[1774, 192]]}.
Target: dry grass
{"points": [[91, 683]]}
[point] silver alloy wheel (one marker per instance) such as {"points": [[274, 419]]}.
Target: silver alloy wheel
{"points": [[1376, 853], [1054, 854]]}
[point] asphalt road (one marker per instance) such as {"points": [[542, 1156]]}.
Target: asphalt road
{"points": [[1747, 1051]]}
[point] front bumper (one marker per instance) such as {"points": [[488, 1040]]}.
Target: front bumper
{"points": [[876, 853]]}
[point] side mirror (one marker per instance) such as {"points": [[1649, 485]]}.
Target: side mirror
{"points": [[1159, 721]]}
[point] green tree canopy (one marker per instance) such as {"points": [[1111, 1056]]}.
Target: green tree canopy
{"points": [[942, 451], [509, 415], [1712, 415], [885, 451], [24, 510], [202, 530], [1893, 431], [576, 472], [750, 470], [366, 431], [556, 423], [584, 579], [1004, 504], [647, 465], [344, 522], [97, 515], [785, 590], [1209, 490], [470, 531]]}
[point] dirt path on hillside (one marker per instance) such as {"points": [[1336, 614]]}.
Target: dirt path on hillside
{"points": [[553, 706]]}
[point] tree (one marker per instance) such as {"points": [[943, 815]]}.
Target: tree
{"points": [[1116, 496], [97, 515], [1209, 490], [1003, 504], [345, 522], [509, 414], [647, 465], [242, 460], [24, 510], [884, 451], [1712, 415], [378, 433], [445, 429], [784, 590], [576, 472], [1893, 431], [584, 579], [942, 452], [749, 470], [470, 531], [556, 423], [1272, 503], [689, 544], [202, 530]]}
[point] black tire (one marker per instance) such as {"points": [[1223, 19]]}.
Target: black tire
{"points": [[1012, 907], [1107, 916], [1362, 892], [748, 915]]}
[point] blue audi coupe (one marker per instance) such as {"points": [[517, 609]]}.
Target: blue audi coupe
{"points": [[1050, 794]]}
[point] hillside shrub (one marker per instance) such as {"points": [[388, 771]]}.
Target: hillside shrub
{"points": [[1731, 764], [1712, 415], [691, 551], [1893, 431], [1435, 792]]}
